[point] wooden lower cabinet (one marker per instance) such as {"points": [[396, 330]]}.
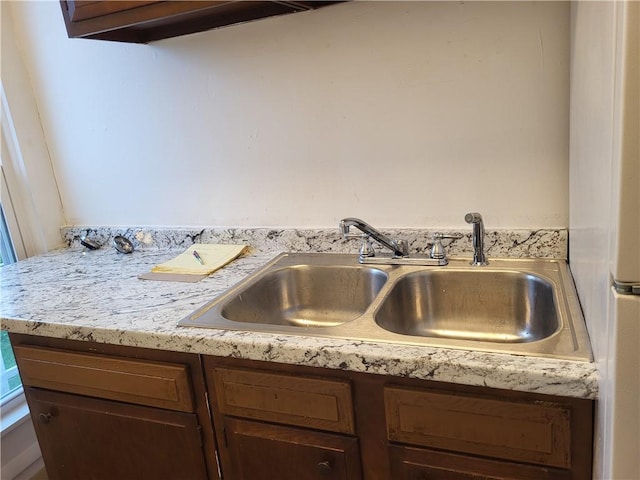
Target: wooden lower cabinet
{"points": [[261, 450], [281, 425], [531, 433], [107, 412], [113, 412], [291, 422], [88, 438]]}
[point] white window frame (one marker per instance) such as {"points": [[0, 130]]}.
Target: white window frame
{"points": [[20, 212], [14, 409], [15, 241]]}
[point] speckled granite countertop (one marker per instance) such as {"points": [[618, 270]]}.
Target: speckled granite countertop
{"points": [[96, 296]]}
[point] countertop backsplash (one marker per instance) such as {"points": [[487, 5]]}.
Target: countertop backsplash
{"points": [[517, 243]]}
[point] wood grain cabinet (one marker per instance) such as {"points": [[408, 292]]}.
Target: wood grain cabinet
{"points": [[262, 450], [475, 435], [308, 423], [289, 427], [145, 21], [107, 412]]}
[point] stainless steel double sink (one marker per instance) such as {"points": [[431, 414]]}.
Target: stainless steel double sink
{"points": [[519, 306]]}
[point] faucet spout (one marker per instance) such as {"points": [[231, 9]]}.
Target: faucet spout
{"points": [[479, 257], [398, 247]]}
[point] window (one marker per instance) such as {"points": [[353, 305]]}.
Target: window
{"points": [[12, 247], [10, 378], [10, 384]]}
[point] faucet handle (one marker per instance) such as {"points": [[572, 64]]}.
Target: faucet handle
{"points": [[366, 249], [455, 236], [437, 249], [403, 246]]}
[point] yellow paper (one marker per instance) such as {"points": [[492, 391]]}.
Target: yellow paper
{"points": [[214, 256]]}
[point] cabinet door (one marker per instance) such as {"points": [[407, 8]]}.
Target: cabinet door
{"points": [[142, 21], [87, 438], [423, 464], [259, 450]]}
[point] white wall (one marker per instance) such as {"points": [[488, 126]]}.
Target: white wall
{"points": [[408, 114], [592, 95], [598, 33]]}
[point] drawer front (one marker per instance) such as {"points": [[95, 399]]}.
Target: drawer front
{"points": [[421, 464], [266, 451], [535, 433], [144, 382], [287, 399]]}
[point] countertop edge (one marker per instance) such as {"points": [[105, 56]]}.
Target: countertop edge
{"points": [[566, 378]]}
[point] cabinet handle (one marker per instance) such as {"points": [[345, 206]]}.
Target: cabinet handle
{"points": [[44, 418], [324, 468]]}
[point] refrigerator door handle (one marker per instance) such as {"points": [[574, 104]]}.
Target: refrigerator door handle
{"points": [[626, 288]]}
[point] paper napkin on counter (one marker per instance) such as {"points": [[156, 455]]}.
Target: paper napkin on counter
{"points": [[214, 256]]}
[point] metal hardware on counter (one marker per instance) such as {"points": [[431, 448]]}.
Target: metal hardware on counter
{"points": [[122, 244], [90, 244]]}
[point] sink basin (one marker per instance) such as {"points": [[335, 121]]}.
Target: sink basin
{"points": [[478, 304], [518, 306], [292, 293], [307, 296]]}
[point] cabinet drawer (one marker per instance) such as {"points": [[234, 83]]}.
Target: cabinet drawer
{"points": [[529, 432], [144, 382], [262, 450], [419, 464], [287, 399]]}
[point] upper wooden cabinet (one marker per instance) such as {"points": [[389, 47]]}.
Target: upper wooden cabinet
{"points": [[146, 21]]}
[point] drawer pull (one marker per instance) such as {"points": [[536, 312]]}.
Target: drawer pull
{"points": [[44, 418], [324, 468]]}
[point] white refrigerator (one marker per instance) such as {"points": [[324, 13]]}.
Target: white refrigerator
{"points": [[604, 231]]}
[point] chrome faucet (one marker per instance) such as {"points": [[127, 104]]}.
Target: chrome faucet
{"points": [[399, 248], [477, 239]]}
